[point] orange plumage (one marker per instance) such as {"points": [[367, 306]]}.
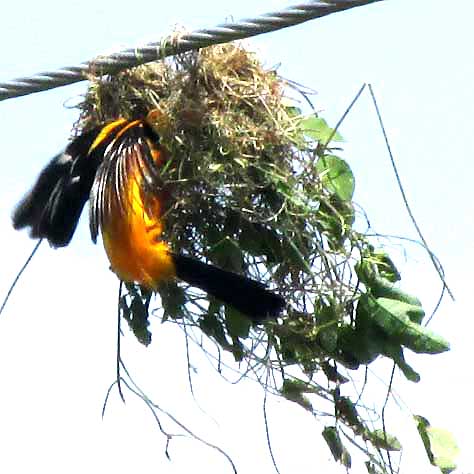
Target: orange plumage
{"points": [[117, 168], [132, 233]]}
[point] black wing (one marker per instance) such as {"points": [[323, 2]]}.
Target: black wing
{"points": [[54, 204], [131, 152]]}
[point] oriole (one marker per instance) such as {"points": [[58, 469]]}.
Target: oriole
{"points": [[116, 167]]}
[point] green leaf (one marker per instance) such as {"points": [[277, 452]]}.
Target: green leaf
{"points": [[352, 350], [237, 349], [294, 390], [338, 451], [330, 371], [387, 290], [395, 352], [256, 239], [334, 220], [383, 440], [136, 316], [293, 111], [227, 255], [318, 130], [440, 445], [394, 318], [370, 340], [290, 107], [365, 342], [372, 468], [173, 299], [327, 338], [336, 175], [346, 409], [416, 314], [236, 323], [242, 162], [250, 239], [216, 167], [385, 266], [383, 286], [211, 326], [292, 194]]}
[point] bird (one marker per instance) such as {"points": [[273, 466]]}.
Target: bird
{"points": [[115, 167]]}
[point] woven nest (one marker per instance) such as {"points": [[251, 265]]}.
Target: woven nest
{"points": [[257, 189], [246, 187]]}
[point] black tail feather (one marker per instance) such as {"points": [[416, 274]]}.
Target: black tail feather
{"points": [[248, 296]]}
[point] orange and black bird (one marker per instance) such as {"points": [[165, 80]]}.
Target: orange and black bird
{"points": [[116, 168]]}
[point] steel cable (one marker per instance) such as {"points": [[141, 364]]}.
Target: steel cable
{"points": [[173, 45]]}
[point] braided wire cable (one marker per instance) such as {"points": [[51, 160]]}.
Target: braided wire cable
{"points": [[170, 45]]}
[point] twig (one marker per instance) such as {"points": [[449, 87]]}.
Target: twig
{"points": [[267, 430], [389, 389], [152, 406], [402, 191], [15, 281], [119, 335], [344, 115]]}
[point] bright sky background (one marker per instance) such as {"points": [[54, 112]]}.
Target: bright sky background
{"points": [[57, 336]]}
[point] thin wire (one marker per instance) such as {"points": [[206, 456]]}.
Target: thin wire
{"points": [[404, 197], [267, 429], [173, 44], [119, 337], [344, 115], [17, 278]]}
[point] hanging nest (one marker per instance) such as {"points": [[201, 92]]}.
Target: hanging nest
{"points": [[247, 192], [257, 189]]}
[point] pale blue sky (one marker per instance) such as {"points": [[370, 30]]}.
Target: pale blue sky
{"points": [[57, 355]]}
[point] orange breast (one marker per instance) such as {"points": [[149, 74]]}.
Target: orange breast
{"points": [[132, 237]]}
